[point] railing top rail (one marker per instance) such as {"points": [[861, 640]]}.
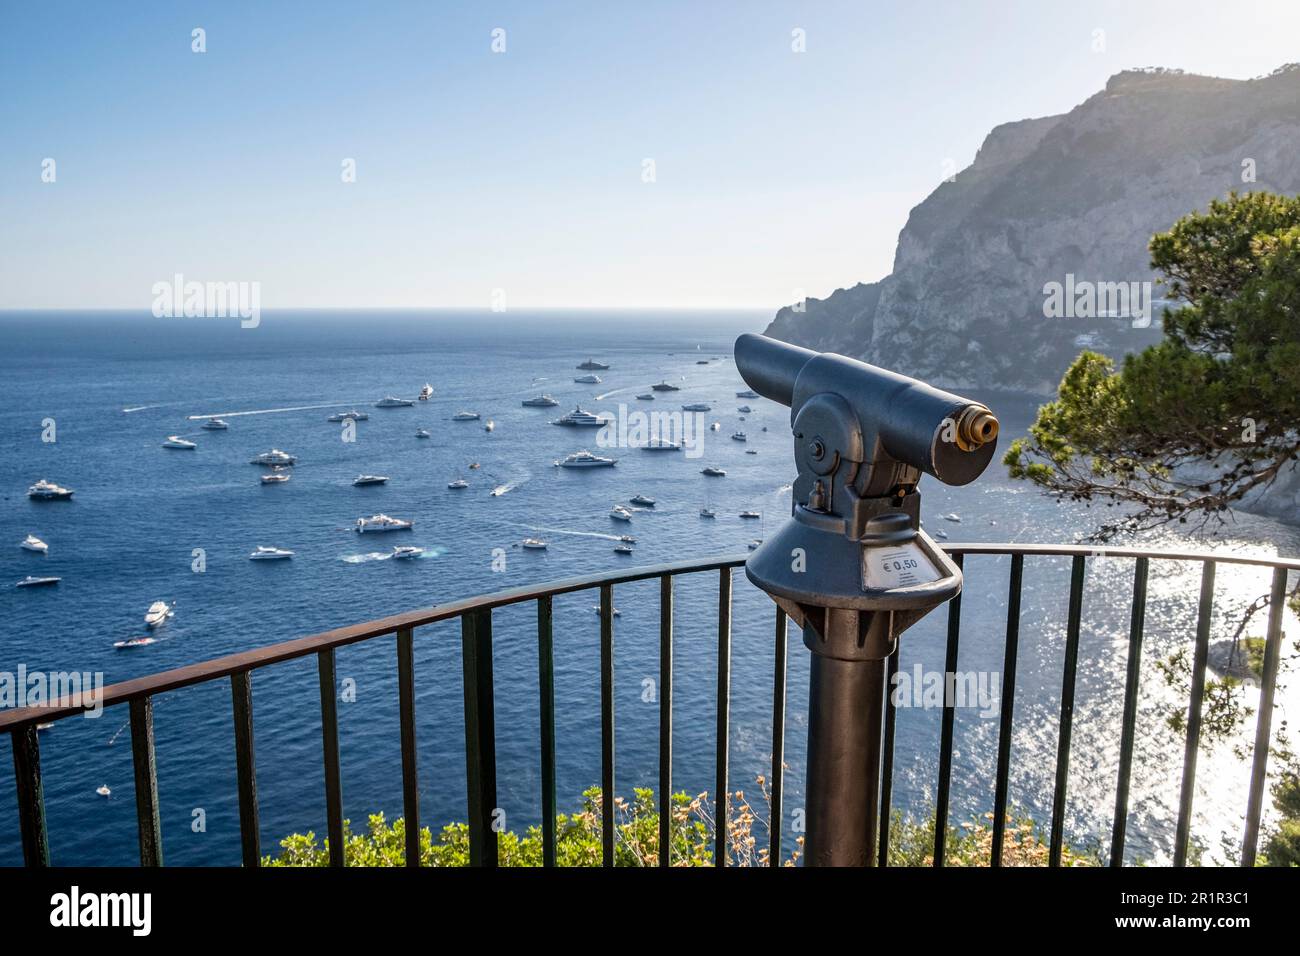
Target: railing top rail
{"points": [[339, 637]]}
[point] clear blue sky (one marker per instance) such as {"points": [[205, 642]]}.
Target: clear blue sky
{"points": [[776, 171]]}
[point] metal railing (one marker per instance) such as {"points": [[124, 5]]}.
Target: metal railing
{"points": [[475, 615]]}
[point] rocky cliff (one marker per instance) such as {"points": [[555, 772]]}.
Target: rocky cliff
{"points": [[1077, 195]]}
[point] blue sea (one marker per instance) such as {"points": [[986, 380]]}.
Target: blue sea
{"points": [[109, 388]]}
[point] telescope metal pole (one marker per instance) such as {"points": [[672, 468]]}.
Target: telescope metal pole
{"points": [[846, 701]]}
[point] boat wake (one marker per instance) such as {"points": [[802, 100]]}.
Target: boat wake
{"points": [[576, 534], [429, 552], [267, 411]]}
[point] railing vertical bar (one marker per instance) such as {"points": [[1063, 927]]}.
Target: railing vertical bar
{"points": [[546, 689], [1192, 745], [776, 818], [480, 736], [241, 692], [31, 796], [887, 760], [721, 795], [329, 730], [1264, 723], [1067, 710], [410, 766], [1137, 624], [945, 736], [1001, 788], [146, 782], [665, 719], [607, 724]]}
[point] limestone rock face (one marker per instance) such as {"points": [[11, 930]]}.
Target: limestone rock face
{"points": [[1076, 195]]}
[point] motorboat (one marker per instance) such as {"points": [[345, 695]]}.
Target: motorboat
{"points": [[953, 517], [941, 534], [697, 407], [614, 612], [48, 491], [739, 436], [750, 514], [593, 366], [643, 501], [747, 393], [422, 433], [474, 466], [383, 523], [489, 425], [388, 401], [744, 409], [751, 451], [215, 425], [426, 393], [406, 552], [647, 397], [273, 457], [580, 419], [158, 613], [534, 544], [276, 478], [103, 790], [369, 480], [541, 401], [713, 472], [353, 415], [588, 379], [661, 444], [134, 642], [33, 543], [175, 441], [666, 386], [754, 545], [716, 426], [458, 484], [34, 582], [701, 361], [465, 417], [619, 513], [263, 553], [585, 459], [708, 513], [623, 549], [627, 539]]}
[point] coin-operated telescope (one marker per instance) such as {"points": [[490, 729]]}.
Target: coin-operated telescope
{"points": [[853, 567]]}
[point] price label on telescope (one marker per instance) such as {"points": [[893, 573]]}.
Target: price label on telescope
{"points": [[896, 567]]}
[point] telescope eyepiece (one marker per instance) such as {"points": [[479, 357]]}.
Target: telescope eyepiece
{"points": [[976, 427]]}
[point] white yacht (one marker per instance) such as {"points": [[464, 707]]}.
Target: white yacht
{"points": [[273, 457], [369, 480], [48, 491], [697, 407], [215, 425], [426, 393], [406, 552], [713, 472], [666, 386], [750, 514], [33, 543], [661, 444], [353, 415], [388, 401], [465, 417], [263, 553], [541, 401], [458, 484], [953, 517], [627, 539], [585, 459], [588, 379], [643, 501], [580, 419], [623, 549], [383, 523], [175, 441], [158, 612], [739, 436], [747, 393], [422, 433], [619, 513], [103, 790], [708, 513], [592, 365], [534, 544], [31, 582], [276, 478], [489, 425]]}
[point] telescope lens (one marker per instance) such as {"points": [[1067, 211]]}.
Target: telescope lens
{"points": [[977, 426]]}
